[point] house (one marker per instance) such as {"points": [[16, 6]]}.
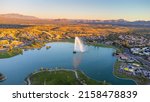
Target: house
{"points": [[141, 51], [135, 64], [109, 43], [135, 50], [16, 43], [123, 57]]}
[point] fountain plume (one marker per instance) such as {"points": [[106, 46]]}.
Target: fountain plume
{"points": [[79, 46]]}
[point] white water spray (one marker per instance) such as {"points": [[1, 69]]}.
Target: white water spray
{"points": [[79, 46]]}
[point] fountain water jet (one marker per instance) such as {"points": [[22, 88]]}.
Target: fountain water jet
{"points": [[78, 46]]}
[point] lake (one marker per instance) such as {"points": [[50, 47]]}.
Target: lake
{"points": [[96, 62]]}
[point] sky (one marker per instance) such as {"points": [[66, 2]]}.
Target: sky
{"points": [[79, 9]]}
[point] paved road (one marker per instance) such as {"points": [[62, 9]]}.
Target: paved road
{"points": [[140, 59]]}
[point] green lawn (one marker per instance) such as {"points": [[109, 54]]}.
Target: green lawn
{"points": [[54, 78], [10, 53], [61, 77]]}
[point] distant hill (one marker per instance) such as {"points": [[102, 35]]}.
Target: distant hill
{"points": [[29, 20], [21, 19], [24, 19], [120, 22], [17, 16]]}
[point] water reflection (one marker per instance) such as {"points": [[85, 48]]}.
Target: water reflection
{"points": [[77, 60]]}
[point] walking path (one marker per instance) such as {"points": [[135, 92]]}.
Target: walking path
{"points": [[29, 81]]}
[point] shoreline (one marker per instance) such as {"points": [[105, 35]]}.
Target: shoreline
{"points": [[11, 53], [28, 81], [111, 46], [122, 78], [127, 78], [78, 74]]}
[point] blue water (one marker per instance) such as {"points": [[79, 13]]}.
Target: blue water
{"points": [[96, 62]]}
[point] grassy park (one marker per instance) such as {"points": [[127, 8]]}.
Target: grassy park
{"points": [[61, 77]]}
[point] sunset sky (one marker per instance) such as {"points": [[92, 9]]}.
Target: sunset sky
{"points": [[79, 9]]}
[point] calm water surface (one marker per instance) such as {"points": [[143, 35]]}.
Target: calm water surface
{"points": [[96, 62]]}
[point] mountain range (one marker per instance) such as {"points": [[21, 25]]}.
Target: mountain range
{"points": [[17, 16], [24, 19]]}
